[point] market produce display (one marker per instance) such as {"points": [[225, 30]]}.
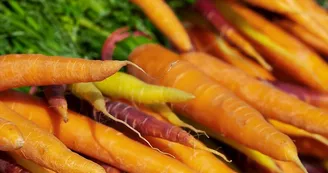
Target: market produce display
{"points": [[154, 86]]}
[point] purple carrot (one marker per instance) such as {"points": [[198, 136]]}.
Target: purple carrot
{"points": [[8, 165], [56, 99]]}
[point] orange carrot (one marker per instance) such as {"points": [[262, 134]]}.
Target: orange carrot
{"points": [[108, 168], [272, 102], [294, 57], [93, 139], [304, 35], [11, 137], [35, 70], [166, 21], [208, 10], [8, 165], [45, 149], [56, 99], [207, 41], [214, 106]]}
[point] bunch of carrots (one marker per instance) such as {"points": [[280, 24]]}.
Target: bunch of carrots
{"points": [[242, 87]]}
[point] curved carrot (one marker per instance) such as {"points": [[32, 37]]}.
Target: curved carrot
{"points": [[214, 106], [122, 85], [93, 139], [8, 165], [166, 21], [29, 165], [45, 149], [290, 55], [56, 99], [11, 137], [35, 70], [207, 41], [272, 102], [208, 10]]}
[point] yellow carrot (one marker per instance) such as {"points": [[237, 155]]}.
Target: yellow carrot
{"points": [[122, 85], [289, 167], [29, 165], [11, 137]]}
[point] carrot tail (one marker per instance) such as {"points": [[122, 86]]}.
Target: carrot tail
{"points": [[8, 165], [56, 99], [208, 10], [11, 137]]}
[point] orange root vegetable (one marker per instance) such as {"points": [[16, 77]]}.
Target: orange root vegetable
{"points": [[271, 102], [305, 94], [56, 99], [293, 57], [289, 167], [166, 21], [150, 126], [108, 168], [208, 10], [214, 106], [8, 165], [294, 131], [11, 137], [207, 41], [200, 161], [304, 35], [29, 165], [93, 139], [45, 149], [36, 70], [311, 147]]}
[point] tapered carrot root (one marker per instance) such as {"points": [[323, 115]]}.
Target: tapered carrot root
{"points": [[122, 85], [93, 139], [214, 106], [167, 113], [166, 21], [11, 137], [304, 35], [36, 70], [8, 165], [308, 95], [208, 10], [207, 41], [56, 99], [149, 126], [29, 165], [45, 149]]}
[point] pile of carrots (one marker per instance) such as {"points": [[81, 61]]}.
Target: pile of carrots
{"points": [[244, 88]]}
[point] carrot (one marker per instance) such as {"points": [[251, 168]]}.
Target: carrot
{"points": [[56, 99], [8, 165], [294, 131], [208, 10], [11, 137], [284, 51], [289, 167], [207, 41], [122, 85], [166, 21], [271, 102], [93, 139], [35, 70], [45, 149], [108, 168], [167, 113], [214, 106], [29, 165], [149, 126], [90, 93], [301, 33], [305, 94]]}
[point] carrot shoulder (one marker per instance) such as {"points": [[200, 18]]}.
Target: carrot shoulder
{"points": [[166, 21], [35, 70], [93, 139], [45, 149], [214, 106]]}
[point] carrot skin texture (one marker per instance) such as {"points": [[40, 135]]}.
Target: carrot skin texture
{"points": [[39, 142], [108, 145], [56, 99], [263, 97], [214, 105], [11, 137], [166, 21], [36, 70], [29, 165], [122, 85], [8, 165]]}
